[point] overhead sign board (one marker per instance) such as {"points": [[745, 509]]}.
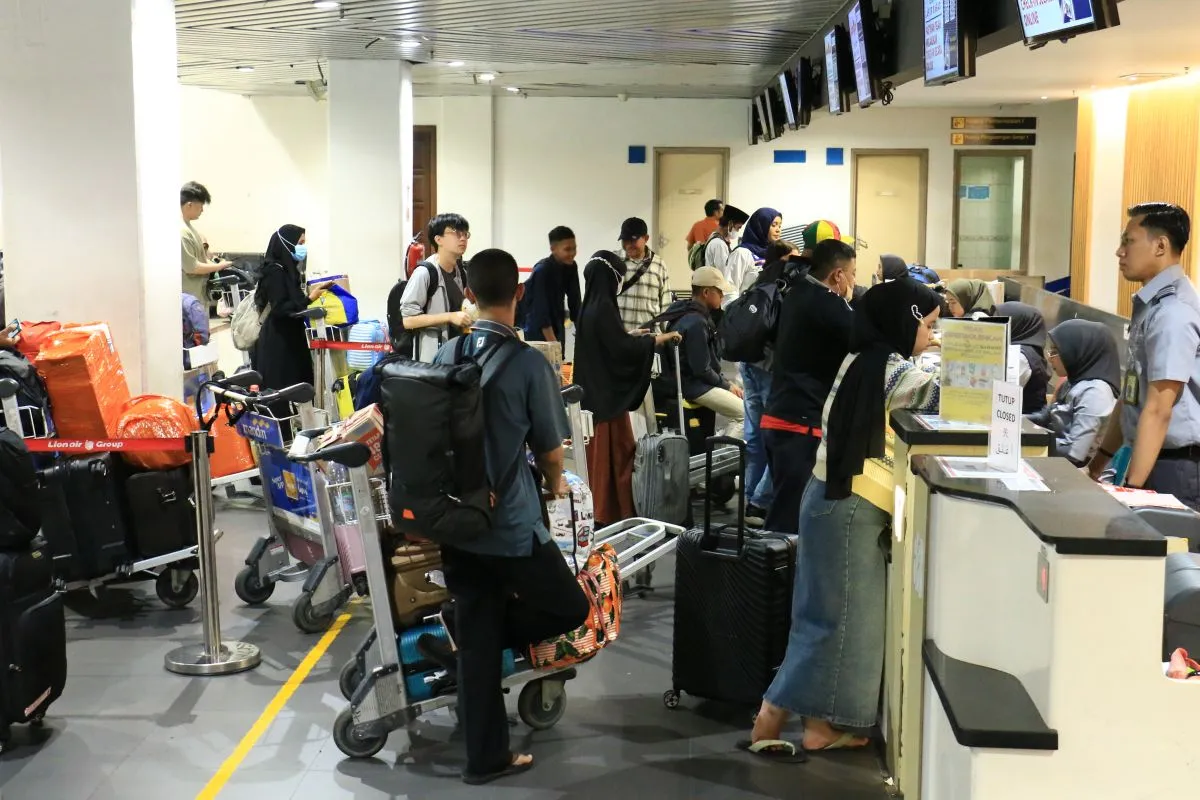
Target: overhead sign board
{"points": [[993, 123]]}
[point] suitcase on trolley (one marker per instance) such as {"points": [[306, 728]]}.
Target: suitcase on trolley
{"points": [[733, 605], [162, 516], [33, 638], [414, 596], [83, 516], [661, 489]]}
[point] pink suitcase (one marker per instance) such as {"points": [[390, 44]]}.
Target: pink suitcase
{"points": [[351, 557]]}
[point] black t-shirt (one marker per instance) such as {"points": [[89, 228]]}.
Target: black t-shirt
{"points": [[814, 337]]}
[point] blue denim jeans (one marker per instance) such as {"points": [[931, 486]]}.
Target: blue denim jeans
{"points": [[757, 385], [833, 668]]}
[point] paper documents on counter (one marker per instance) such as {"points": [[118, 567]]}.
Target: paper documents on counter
{"points": [[1025, 479], [936, 423], [1143, 498]]}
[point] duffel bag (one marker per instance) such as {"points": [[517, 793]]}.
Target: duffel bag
{"points": [[601, 582]]}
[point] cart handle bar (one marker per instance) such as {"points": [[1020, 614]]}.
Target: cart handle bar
{"points": [[348, 454], [573, 394], [8, 388], [297, 393]]}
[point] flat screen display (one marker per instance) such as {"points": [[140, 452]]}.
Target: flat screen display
{"points": [[859, 50], [832, 76], [1048, 19], [943, 49], [763, 120], [787, 84]]}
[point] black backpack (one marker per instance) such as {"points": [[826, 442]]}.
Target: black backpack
{"points": [[20, 514], [749, 323], [433, 444], [31, 390], [404, 341]]}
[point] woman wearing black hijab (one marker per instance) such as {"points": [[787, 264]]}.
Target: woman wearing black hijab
{"points": [[833, 668], [281, 354], [891, 268], [613, 367], [1028, 329], [1085, 353]]}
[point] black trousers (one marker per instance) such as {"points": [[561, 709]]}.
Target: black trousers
{"points": [[499, 603], [1177, 476], [792, 457]]}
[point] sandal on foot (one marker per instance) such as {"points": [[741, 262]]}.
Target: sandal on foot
{"points": [[776, 750], [512, 769], [844, 742]]}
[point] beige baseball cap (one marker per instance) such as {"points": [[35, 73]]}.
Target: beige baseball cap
{"points": [[711, 278]]}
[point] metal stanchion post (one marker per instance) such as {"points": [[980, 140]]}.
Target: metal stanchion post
{"points": [[212, 656]]}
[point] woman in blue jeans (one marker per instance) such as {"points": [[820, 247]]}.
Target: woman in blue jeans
{"points": [[832, 672]]}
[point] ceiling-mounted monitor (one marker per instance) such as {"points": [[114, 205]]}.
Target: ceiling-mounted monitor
{"points": [[754, 125], [951, 40], [787, 90], [1047, 20], [806, 92], [776, 110], [836, 78], [864, 50], [764, 121]]}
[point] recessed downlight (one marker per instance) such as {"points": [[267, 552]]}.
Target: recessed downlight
{"points": [[487, 77], [244, 69], [513, 89], [456, 64], [409, 43], [326, 5]]}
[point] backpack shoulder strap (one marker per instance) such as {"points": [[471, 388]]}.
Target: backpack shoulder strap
{"points": [[637, 276], [434, 283]]}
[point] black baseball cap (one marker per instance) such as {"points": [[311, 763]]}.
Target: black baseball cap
{"points": [[633, 228]]}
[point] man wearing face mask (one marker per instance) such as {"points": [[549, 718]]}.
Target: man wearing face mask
{"points": [[722, 242], [815, 324]]}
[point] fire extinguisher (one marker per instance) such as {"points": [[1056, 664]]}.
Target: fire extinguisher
{"points": [[414, 255]]}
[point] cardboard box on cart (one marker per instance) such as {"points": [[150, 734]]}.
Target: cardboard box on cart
{"points": [[364, 426]]}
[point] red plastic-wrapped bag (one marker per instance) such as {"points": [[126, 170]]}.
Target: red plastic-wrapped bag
{"points": [[85, 381], [152, 416], [34, 335], [231, 453]]}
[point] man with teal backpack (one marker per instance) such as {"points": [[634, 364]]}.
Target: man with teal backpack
{"points": [[714, 251]]}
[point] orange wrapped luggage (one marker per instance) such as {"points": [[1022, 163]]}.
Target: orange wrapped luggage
{"points": [[152, 416], [86, 383], [34, 335], [231, 453]]}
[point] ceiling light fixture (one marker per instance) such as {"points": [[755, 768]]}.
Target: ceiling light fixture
{"points": [[326, 5], [244, 69], [513, 89], [1044, 97], [456, 64], [487, 77], [409, 43]]}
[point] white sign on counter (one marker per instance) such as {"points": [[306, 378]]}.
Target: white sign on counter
{"points": [[1013, 366], [1004, 438]]}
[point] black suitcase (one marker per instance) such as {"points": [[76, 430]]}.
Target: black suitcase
{"points": [[33, 638], [161, 515], [84, 517], [733, 605]]}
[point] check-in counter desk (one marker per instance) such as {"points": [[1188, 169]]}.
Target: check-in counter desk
{"points": [[1043, 676], [910, 436]]}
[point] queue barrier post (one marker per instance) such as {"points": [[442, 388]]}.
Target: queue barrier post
{"points": [[212, 656]]}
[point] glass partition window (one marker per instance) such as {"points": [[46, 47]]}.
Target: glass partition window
{"points": [[991, 215]]}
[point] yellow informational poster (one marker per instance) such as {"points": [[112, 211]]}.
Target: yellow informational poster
{"points": [[974, 356]]}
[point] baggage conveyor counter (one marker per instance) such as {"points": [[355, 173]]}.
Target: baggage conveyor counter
{"points": [[911, 435], [1042, 669]]}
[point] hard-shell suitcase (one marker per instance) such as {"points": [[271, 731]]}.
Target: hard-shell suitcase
{"points": [[661, 465], [733, 603], [351, 557], [83, 516], [33, 639], [161, 514]]}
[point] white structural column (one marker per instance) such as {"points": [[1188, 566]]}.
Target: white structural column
{"points": [[370, 176], [89, 136], [1108, 190]]}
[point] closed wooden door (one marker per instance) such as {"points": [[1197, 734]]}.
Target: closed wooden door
{"points": [[889, 207], [424, 176], [686, 179]]}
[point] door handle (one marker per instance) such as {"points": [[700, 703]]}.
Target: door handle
{"points": [[662, 242]]}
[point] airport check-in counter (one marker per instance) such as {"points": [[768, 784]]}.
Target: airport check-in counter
{"points": [[912, 435], [1042, 668]]}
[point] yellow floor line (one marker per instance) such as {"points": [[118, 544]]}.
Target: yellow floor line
{"points": [[222, 776]]}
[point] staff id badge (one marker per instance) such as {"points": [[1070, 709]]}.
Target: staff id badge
{"points": [[1131, 391]]}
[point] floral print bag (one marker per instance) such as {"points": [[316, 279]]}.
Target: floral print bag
{"points": [[600, 580]]}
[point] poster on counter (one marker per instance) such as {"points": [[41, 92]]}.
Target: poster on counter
{"points": [[974, 357]]}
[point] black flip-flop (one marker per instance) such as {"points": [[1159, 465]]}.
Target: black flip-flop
{"points": [[511, 769], [777, 750]]}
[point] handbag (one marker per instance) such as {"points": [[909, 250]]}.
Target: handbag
{"points": [[600, 581]]}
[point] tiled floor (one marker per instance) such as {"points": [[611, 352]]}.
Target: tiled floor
{"points": [[126, 729]]}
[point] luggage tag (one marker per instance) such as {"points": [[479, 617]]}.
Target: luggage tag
{"points": [[300, 446]]}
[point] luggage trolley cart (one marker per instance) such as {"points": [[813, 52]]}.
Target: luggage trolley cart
{"points": [[299, 516], [173, 573], [324, 343], [383, 699]]}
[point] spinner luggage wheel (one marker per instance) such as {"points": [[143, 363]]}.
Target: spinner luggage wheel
{"points": [[671, 699]]}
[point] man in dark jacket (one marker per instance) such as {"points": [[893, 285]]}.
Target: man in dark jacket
{"points": [[700, 361], [815, 323], [543, 316]]}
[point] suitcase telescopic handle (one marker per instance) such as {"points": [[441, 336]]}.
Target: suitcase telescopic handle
{"points": [[710, 446], [675, 347]]}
